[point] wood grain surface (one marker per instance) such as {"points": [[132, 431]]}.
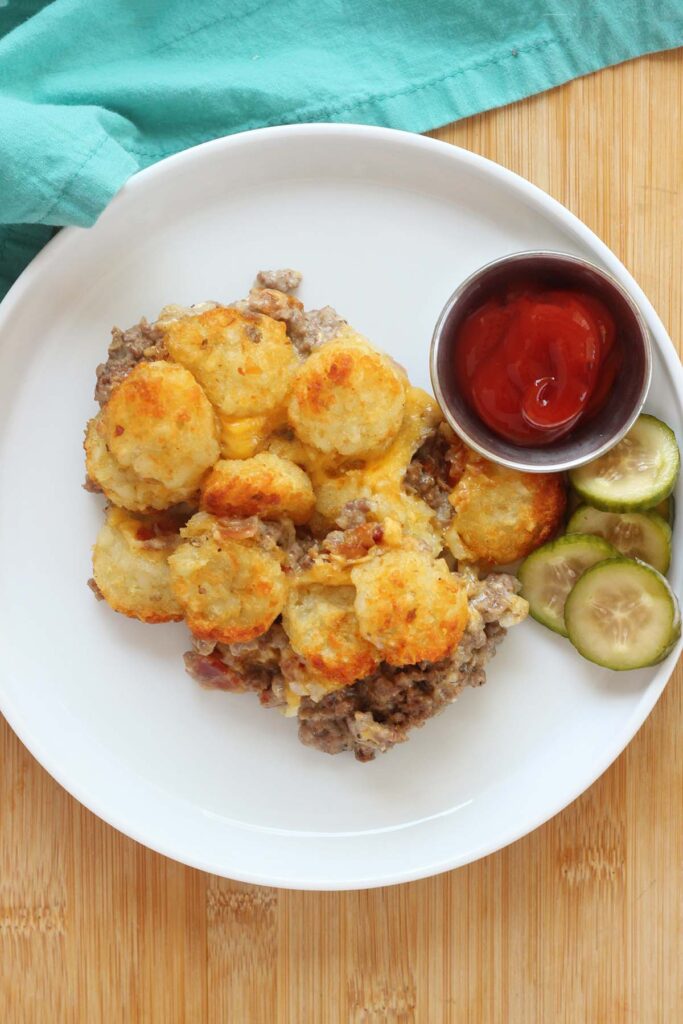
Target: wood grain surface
{"points": [[582, 921]]}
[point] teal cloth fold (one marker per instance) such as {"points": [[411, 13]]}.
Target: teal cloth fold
{"points": [[93, 90]]}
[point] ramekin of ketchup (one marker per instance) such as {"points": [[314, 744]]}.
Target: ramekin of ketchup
{"points": [[541, 361], [534, 361]]}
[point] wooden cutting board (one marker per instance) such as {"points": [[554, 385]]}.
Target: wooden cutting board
{"points": [[581, 922]]}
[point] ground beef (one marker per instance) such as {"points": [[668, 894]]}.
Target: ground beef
{"points": [[358, 533], [379, 711], [142, 343], [353, 543], [277, 533], [240, 529], [317, 327], [269, 535], [301, 551], [306, 330], [271, 296], [354, 540], [278, 306], [286, 280], [496, 600], [241, 668], [375, 714], [355, 513], [297, 543], [434, 471]]}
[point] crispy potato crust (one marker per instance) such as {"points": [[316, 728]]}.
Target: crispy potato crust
{"points": [[322, 627], [502, 515], [130, 566], [244, 361], [122, 486], [230, 590], [264, 485], [160, 424], [347, 398], [410, 606]]}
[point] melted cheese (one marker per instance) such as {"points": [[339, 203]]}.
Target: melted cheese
{"points": [[381, 479], [242, 438]]}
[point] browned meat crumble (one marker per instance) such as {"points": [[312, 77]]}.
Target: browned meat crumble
{"points": [[307, 329], [144, 342], [300, 551], [355, 513], [285, 280], [297, 542], [434, 471], [377, 713], [374, 713], [240, 668], [355, 538], [319, 326], [269, 534]]}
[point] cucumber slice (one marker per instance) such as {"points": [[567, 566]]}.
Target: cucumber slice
{"points": [[636, 474], [667, 509], [623, 614], [550, 572], [643, 535]]}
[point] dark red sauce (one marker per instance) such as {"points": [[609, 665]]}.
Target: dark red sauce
{"points": [[534, 361]]}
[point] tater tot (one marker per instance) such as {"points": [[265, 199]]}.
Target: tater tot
{"points": [[230, 590], [410, 606], [502, 515], [122, 486], [160, 424], [322, 627], [264, 485], [130, 566], [244, 361], [347, 398]]}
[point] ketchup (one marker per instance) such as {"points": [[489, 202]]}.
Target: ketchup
{"points": [[535, 361]]}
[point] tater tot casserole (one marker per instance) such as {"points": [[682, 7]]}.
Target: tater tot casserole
{"points": [[277, 483]]}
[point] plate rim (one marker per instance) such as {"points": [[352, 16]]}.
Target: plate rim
{"points": [[557, 212]]}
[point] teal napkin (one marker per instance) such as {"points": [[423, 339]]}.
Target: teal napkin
{"points": [[93, 90]]}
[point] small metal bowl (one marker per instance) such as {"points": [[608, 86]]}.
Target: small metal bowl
{"points": [[587, 440]]}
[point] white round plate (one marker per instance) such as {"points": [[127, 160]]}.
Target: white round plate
{"points": [[383, 225]]}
